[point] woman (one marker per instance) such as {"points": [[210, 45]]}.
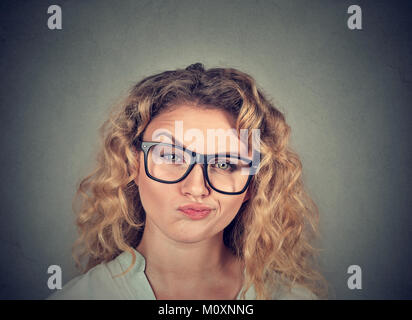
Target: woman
{"points": [[171, 214]]}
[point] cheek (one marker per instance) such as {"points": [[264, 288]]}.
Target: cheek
{"points": [[153, 195], [231, 206], [150, 191]]}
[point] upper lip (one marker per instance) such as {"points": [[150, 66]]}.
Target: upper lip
{"points": [[195, 206]]}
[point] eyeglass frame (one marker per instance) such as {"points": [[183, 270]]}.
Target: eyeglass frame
{"points": [[196, 158]]}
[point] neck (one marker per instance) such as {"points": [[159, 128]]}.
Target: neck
{"points": [[167, 257]]}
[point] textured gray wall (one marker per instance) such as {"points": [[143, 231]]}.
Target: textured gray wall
{"points": [[345, 93]]}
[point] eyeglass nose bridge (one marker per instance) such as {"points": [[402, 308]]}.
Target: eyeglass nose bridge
{"points": [[198, 158], [202, 159]]}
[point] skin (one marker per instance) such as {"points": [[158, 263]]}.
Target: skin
{"points": [[185, 258]]}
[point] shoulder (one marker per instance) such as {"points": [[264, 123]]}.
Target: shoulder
{"points": [[283, 292], [97, 284], [296, 292]]}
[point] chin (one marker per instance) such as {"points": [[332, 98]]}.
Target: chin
{"points": [[190, 237]]}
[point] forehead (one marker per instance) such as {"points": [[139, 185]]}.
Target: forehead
{"points": [[194, 117], [197, 128]]}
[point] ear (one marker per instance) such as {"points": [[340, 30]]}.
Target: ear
{"points": [[247, 196], [249, 191], [135, 170]]}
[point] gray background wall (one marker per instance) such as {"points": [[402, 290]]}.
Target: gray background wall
{"points": [[345, 93]]}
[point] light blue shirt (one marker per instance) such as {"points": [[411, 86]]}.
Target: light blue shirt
{"points": [[99, 284]]}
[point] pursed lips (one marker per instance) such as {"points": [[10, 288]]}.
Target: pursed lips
{"points": [[195, 206], [195, 211]]}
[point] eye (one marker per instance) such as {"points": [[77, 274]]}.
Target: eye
{"points": [[225, 166], [172, 157]]}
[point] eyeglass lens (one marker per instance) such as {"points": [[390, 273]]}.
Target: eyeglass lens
{"points": [[170, 163]]}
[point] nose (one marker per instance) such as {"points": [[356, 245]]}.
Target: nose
{"points": [[195, 183]]}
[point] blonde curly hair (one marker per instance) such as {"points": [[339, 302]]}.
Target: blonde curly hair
{"points": [[273, 231]]}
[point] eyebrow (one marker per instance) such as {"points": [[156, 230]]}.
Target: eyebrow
{"points": [[174, 140]]}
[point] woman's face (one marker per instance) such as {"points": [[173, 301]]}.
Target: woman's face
{"points": [[161, 201]]}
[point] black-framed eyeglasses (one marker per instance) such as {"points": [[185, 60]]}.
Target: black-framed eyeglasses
{"points": [[168, 163]]}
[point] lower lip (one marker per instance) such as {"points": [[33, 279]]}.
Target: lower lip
{"points": [[195, 214]]}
